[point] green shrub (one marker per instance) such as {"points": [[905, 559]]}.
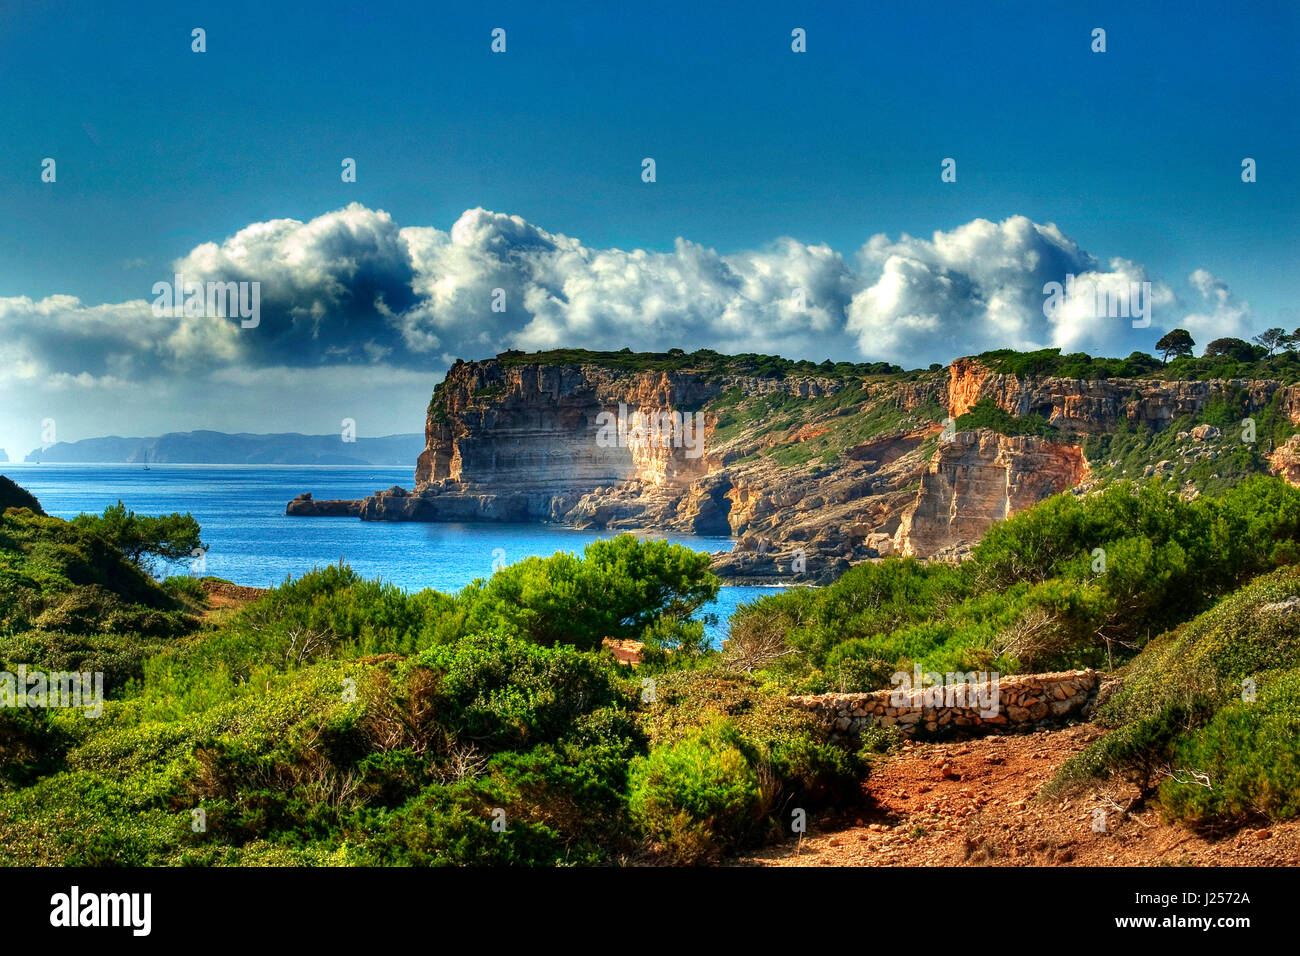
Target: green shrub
{"points": [[1244, 764], [617, 589], [187, 589], [506, 693], [1136, 751], [987, 414], [697, 797], [121, 658], [1180, 711], [783, 743], [31, 745], [462, 824], [1248, 632]]}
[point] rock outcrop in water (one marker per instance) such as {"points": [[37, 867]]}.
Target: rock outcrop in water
{"points": [[305, 506], [810, 468]]}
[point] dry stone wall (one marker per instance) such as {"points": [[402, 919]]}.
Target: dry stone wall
{"points": [[1006, 705]]}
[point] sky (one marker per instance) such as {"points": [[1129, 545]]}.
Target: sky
{"points": [[797, 206]]}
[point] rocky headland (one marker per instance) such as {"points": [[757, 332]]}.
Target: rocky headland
{"points": [[810, 468]]}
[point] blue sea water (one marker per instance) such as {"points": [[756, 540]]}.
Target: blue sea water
{"points": [[253, 542]]}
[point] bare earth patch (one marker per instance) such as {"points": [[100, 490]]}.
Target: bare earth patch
{"points": [[973, 803], [224, 597]]}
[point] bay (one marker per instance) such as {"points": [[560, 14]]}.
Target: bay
{"points": [[253, 542]]}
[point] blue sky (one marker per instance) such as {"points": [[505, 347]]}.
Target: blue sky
{"points": [[1132, 153]]}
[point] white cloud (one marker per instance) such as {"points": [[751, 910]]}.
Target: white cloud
{"points": [[981, 286], [1228, 316], [351, 289]]}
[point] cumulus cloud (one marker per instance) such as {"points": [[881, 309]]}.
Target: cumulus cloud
{"points": [[60, 335], [1227, 315], [983, 286], [557, 292], [353, 289], [330, 288]]}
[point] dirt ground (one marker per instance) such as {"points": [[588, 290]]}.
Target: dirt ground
{"points": [[224, 597], [972, 803]]}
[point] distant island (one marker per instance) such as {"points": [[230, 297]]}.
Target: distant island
{"points": [[220, 448]]}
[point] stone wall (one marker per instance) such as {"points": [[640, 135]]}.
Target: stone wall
{"points": [[1023, 701]]}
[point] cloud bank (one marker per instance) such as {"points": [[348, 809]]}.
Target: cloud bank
{"points": [[352, 297]]}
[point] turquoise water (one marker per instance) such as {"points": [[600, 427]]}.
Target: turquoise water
{"points": [[252, 541]]}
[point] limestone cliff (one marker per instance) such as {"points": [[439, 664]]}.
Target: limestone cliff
{"points": [[1286, 460], [583, 444], [810, 468], [1096, 406], [979, 478]]}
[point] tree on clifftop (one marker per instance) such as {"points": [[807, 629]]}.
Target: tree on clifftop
{"points": [[1271, 339], [1237, 349], [1176, 343]]}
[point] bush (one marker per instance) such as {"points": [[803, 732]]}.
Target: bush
{"points": [[186, 589], [697, 797], [505, 693], [782, 742], [1245, 763], [1136, 751], [15, 496], [31, 745], [1181, 725], [457, 825], [1076, 581], [987, 414], [41, 559], [1251, 631], [617, 589]]}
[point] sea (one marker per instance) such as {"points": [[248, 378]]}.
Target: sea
{"points": [[251, 541]]}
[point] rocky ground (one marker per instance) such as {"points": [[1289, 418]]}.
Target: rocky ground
{"points": [[977, 803]]}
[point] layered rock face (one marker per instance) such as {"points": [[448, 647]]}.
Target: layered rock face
{"points": [[808, 474], [1286, 460], [979, 478], [536, 425], [1096, 406], [580, 444]]}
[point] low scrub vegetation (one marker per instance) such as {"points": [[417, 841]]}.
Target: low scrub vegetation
{"points": [[1078, 581], [342, 721], [1206, 720]]}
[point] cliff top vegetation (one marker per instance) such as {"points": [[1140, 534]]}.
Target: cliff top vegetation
{"points": [[1223, 359], [704, 361]]}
